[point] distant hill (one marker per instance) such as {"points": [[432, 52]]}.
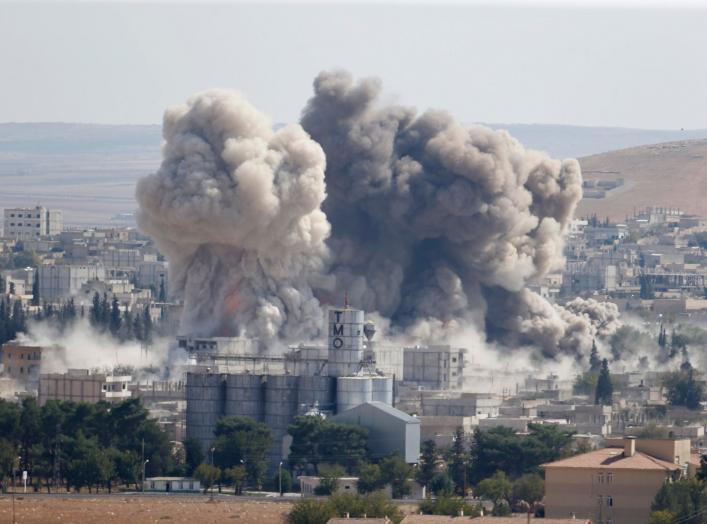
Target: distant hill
{"points": [[576, 141], [63, 138], [90, 170], [672, 174]]}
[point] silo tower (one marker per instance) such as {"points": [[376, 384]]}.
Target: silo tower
{"points": [[345, 341]]}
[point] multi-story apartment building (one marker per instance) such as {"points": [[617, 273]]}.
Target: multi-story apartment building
{"points": [[30, 223], [21, 362], [614, 485]]}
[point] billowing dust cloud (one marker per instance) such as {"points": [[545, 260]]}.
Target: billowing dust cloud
{"points": [[236, 209], [435, 226]]}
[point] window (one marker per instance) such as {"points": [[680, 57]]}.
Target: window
{"points": [[609, 501], [454, 359], [609, 478], [600, 478]]}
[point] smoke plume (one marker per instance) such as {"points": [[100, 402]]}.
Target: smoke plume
{"points": [[436, 225], [236, 209]]}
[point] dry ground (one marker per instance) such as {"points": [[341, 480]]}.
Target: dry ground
{"points": [[141, 510], [672, 174]]}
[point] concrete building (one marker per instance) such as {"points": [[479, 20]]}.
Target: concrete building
{"points": [[20, 362], [30, 223], [389, 429], [434, 367], [79, 385], [56, 282], [615, 484]]}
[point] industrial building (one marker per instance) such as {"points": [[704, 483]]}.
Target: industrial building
{"points": [[389, 430], [232, 378]]}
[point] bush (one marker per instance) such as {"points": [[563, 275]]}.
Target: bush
{"points": [[311, 511], [448, 505], [373, 505]]}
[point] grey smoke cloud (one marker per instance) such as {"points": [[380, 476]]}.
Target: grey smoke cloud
{"points": [[436, 225], [235, 207]]}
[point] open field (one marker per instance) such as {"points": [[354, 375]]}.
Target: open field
{"points": [[135, 509]]}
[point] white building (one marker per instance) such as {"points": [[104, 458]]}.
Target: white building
{"points": [[30, 223], [172, 484], [66, 280]]}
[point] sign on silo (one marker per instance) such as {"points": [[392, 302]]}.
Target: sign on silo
{"points": [[345, 341]]}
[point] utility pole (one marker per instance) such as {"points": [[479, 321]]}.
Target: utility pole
{"points": [[279, 476], [143, 465]]}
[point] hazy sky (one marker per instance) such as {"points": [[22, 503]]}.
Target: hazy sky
{"points": [[124, 63]]}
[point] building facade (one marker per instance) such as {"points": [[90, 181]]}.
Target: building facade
{"points": [[613, 485], [20, 362], [31, 223]]}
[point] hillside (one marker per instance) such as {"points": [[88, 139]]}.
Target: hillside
{"points": [[90, 170], [672, 174]]}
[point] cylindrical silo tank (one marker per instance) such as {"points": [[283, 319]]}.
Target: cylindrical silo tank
{"points": [[244, 396], [352, 391], [316, 390], [382, 389], [204, 395], [280, 402]]}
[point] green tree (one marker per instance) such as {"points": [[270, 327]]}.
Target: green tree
{"points": [[208, 475], [396, 472], [441, 484], [662, 516], [605, 390], [115, 319], [8, 454], [497, 488], [329, 482], [316, 440], [594, 360], [35, 288], [428, 462], [459, 460], [194, 454], [242, 440], [684, 498], [683, 389], [529, 487], [237, 476], [369, 478], [500, 449], [146, 325]]}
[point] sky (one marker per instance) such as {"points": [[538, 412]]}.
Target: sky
{"points": [[594, 64]]}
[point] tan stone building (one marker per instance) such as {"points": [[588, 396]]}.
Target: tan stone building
{"points": [[614, 485], [21, 362]]}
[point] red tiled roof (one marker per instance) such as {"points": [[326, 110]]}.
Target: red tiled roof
{"points": [[613, 458]]}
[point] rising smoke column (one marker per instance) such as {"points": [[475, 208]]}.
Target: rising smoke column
{"points": [[436, 225], [235, 207]]}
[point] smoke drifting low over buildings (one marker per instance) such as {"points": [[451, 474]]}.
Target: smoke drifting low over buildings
{"points": [[432, 225]]}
